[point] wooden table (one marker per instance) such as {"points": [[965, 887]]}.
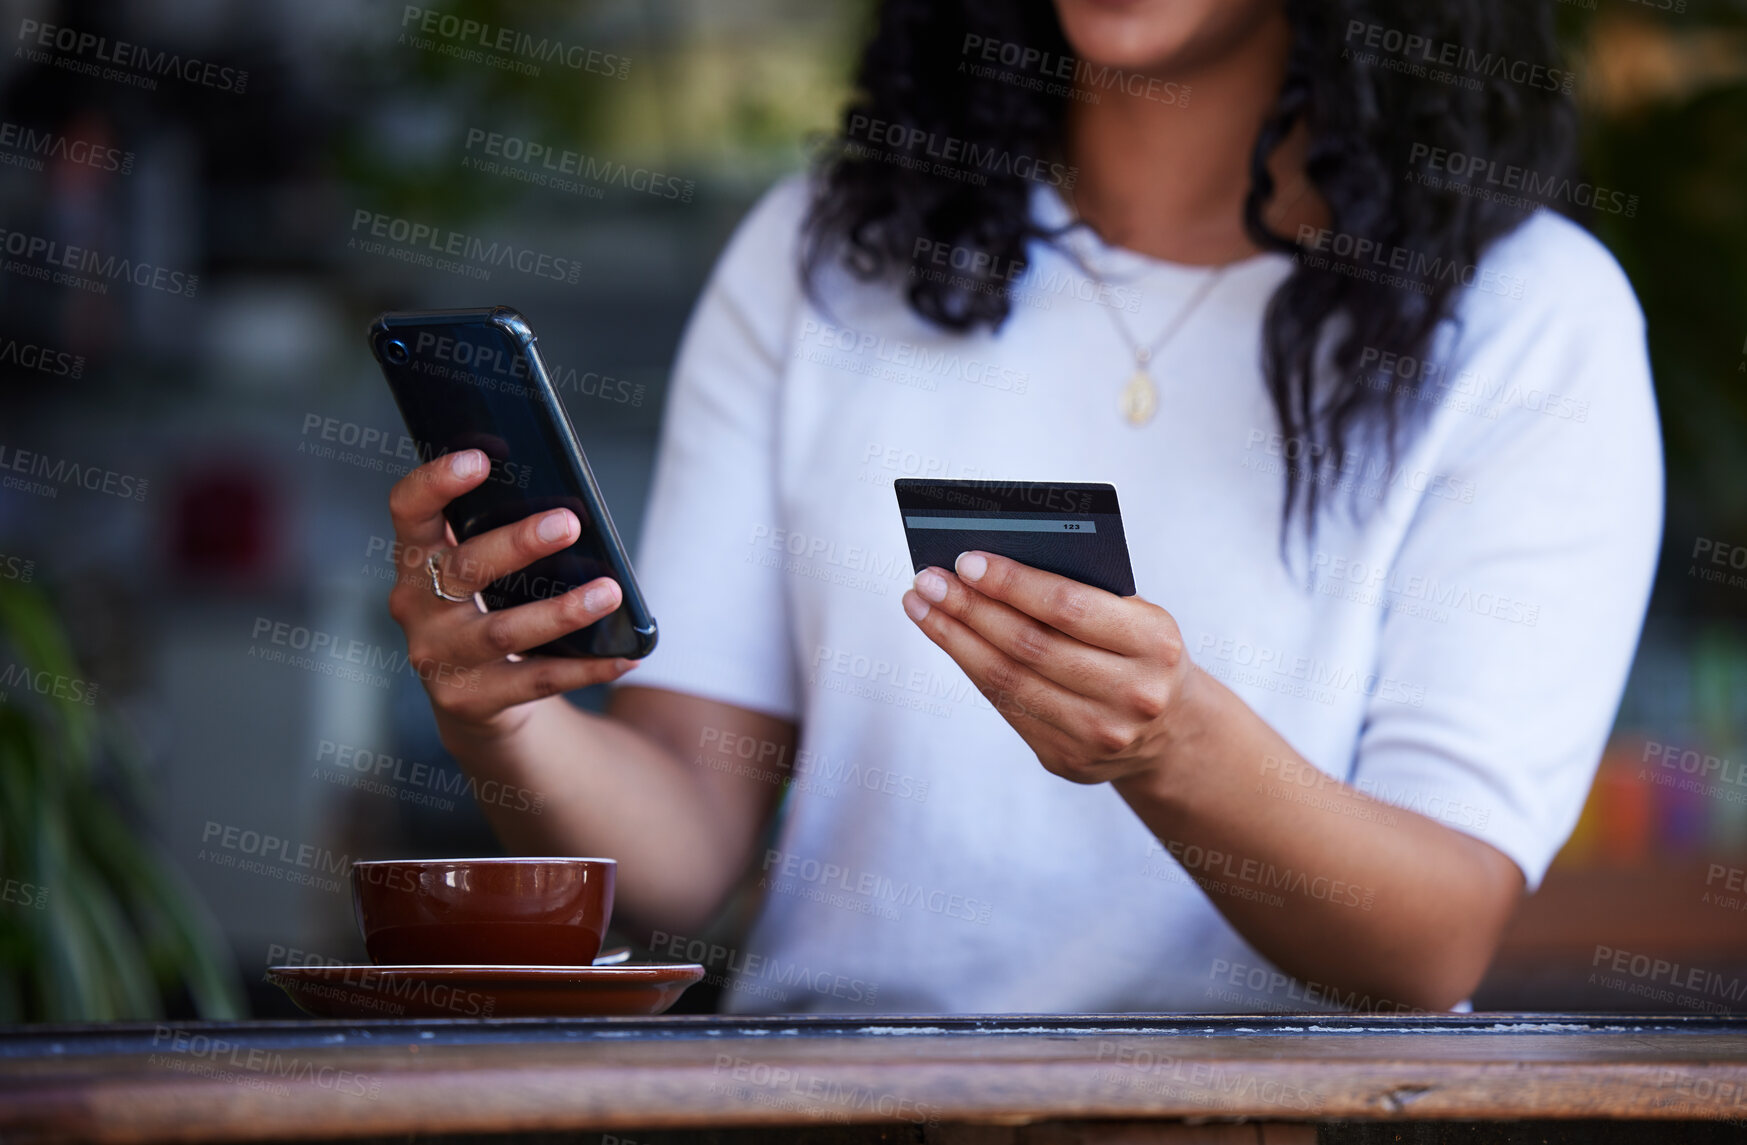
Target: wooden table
{"points": [[995, 1080]]}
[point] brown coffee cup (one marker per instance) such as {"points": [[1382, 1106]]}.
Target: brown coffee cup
{"points": [[483, 912]]}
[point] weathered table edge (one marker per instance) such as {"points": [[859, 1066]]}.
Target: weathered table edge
{"points": [[1147, 1066]]}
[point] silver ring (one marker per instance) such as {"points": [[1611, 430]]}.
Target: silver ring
{"points": [[437, 580]]}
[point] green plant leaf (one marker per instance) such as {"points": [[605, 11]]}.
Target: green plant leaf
{"points": [[120, 929]]}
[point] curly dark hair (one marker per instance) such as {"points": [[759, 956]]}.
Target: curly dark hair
{"points": [[1500, 96]]}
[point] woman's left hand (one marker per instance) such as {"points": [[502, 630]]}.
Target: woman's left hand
{"points": [[1098, 684]]}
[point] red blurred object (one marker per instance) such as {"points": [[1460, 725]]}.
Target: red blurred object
{"points": [[223, 521], [1627, 811]]}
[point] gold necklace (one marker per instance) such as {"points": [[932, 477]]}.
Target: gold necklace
{"points": [[1139, 399]]}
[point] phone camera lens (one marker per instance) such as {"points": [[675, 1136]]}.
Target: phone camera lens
{"points": [[394, 350]]}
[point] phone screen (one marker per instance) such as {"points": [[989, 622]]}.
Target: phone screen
{"points": [[466, 381]]}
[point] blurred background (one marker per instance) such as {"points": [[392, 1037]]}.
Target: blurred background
{"points": [[196, 448]]}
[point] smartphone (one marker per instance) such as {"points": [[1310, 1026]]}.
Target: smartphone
{"points": [[473, 379]]}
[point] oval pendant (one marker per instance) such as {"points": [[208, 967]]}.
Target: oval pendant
{"points": [[1140, 398]]}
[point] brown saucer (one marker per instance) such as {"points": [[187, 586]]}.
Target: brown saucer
{"points": [[357, 991]]}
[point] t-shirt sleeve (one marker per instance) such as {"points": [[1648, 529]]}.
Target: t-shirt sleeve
{"points": [[722, 616], [1523, 579]]}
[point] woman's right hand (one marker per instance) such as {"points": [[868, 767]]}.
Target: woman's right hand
{"points": [[460, 652]]}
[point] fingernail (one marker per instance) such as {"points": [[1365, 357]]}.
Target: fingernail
{"points": [[931, 585], [465, 463], [915, 606], [601, 597], [971, 566], [554, 526], [625, 665]]}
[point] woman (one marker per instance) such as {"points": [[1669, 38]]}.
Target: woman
{"points": [[1388, 459]]}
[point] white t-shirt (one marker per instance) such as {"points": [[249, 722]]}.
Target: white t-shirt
{"points": [[1461, 654]]}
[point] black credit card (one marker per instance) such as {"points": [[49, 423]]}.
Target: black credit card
{"points": [[1071, 528]]}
